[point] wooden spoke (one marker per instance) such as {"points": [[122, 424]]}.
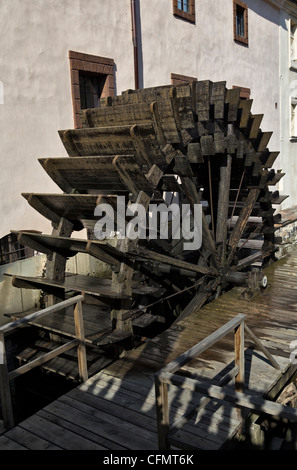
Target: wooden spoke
{"points": [[242, 222], [223, 201]]}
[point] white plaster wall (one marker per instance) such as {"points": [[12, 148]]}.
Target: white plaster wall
{"points": [[207, 50], [15, 300], [36, 36], [288, 86]]}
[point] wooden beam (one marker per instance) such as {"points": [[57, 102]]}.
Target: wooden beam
{"points": [[232, 102], [262, 348], [223, 202], [242, 221], [5, 392], [40, 314], [246, 400], [254, 125], [43, 359], [199, 348], [81, 348], [162, 410], [142, 252], [245, 112], [106, 253]]}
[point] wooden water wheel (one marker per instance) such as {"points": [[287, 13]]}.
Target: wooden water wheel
{"points": [[199, 143]]}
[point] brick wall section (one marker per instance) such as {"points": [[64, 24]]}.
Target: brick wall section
{"points": [[245, 93], [183, 14], [245, 39], [177, 79], [80, 62]]}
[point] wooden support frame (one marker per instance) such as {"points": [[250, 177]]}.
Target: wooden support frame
{"points": [[6, 377], [239, 398]]}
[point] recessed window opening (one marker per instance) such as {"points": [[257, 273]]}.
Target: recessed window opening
{"points": [[240, 30], [91, 88]]}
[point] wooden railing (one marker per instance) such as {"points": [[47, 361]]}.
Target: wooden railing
{"points": [[79, 342], [238, 398]]}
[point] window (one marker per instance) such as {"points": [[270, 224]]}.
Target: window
{"points": [[92, 78], [184, 9], [91, 89], [183, 5], [240, 16], [294, 117], [293, 44], [245, 93]]}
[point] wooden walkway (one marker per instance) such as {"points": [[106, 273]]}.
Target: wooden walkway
{"points": [[115, 409]]}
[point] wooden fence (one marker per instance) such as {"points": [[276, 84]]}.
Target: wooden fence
{"points": [[79, 342], [242, 400]]}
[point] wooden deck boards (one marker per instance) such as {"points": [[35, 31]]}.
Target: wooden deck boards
{"points": [[115, 409]]}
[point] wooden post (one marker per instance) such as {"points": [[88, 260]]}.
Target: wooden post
{"points": [[162, 408], [81, 349], [56, 263], [239, 356], [5, 392], [239, 361]]}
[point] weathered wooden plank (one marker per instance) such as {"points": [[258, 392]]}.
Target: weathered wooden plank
{"points": [[138, 140], [269, 158], [104, 424], [207, 145], [277, 198], [244, 400], [40, 314], [203, 97], [133, 179], [86, 174], [242, 221], [218, 97], [194, 153], [223, 201], [263, 140], [245, 112], [274, 177], [202, 346], [26, 440], [5, 392], [81, 349], [10, 444], [219, 143], [115, 115], [81, 424], [57, 434], [76, 208], [42, 360], [181, 166], [254, 125], [173, 261], [232, 102], [79, 283]]}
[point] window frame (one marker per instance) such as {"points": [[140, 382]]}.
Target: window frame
{"points": [[293, 122], [85, 64], [293, 44], [241, 39], [177, 12]]}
